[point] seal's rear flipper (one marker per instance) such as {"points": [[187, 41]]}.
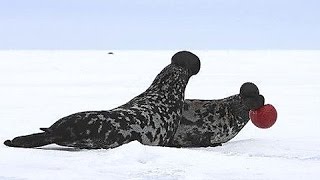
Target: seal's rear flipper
{"points": [[30, 141], [45, 130]]}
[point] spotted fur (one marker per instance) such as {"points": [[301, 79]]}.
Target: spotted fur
{"points": [[213, 122], [150, 118]]}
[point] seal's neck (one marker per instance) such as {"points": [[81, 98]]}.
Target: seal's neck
{"points": [[168, 87], [172, 79], [239, 109]]}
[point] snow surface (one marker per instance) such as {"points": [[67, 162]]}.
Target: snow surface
{"points": [[39, 87]]}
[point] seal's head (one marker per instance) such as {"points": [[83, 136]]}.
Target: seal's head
{"points": [[249, 92], [187, 60]]}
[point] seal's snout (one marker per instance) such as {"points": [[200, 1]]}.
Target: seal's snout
{"points": [[251, 96], [187, 60]]}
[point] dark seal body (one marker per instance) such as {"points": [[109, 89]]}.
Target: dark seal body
{"points": [[213, 122], [151, 118]]}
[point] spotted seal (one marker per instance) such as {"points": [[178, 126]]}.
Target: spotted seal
{"points": [[213, 122], [150, 118]]}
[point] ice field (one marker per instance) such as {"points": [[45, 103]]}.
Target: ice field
{"points": [[39, 87]]}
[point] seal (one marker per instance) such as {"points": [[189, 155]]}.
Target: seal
{"points": [[213, 122], [150, 118]]}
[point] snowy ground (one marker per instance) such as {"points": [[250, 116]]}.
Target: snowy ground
{"points": [[39, 87]]}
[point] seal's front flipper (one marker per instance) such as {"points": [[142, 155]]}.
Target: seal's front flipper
{"points": [[30, 141], [215, 144]]}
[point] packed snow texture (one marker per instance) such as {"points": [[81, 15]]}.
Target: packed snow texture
{"points": [[39, 87]]}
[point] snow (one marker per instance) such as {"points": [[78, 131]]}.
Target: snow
{"points": [[39, 87]]}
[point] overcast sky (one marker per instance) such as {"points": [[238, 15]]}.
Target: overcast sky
{"points": [[160, 24]]}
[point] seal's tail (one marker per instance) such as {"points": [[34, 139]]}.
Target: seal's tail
{"points": [[30, 141]]}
